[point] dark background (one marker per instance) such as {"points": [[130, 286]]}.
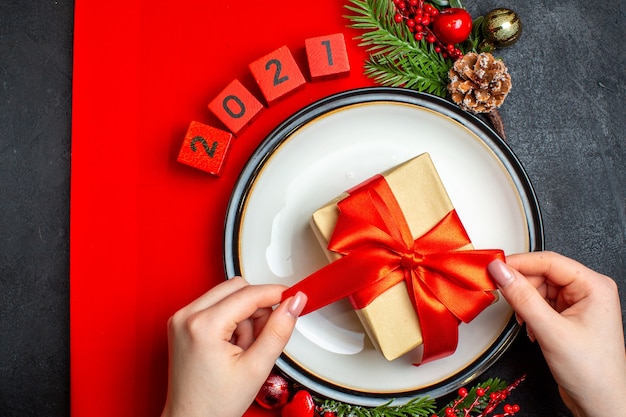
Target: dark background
{"points": [[564, 119]]}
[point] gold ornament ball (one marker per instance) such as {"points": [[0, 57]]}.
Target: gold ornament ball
{"points": [[502, 27]]}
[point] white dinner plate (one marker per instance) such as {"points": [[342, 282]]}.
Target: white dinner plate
{"points": [[326, 149]]}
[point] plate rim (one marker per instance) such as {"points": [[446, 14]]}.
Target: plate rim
{"points": [[334, 102]]}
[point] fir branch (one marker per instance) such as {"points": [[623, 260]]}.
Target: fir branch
{"points": [[406, 73], [472, 43], [396, 58], [383, 35], [417, 407], [467, 402]]}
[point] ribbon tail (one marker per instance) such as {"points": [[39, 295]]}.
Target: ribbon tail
{"points": [[337, 279], [439, 326], [440, 340]]}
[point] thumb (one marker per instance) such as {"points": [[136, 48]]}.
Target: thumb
{"points": [[276, 333], [527, 302]]}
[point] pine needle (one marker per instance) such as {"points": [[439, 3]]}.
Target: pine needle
{"points": [[396, 58], [470, 402], [418, 407]]}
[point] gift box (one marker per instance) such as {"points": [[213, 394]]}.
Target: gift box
{"points": [[399, 252]]}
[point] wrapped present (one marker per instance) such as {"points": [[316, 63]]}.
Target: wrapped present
{"points": [[401, 255]]}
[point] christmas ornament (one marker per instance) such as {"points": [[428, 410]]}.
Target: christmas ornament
{"points": [[481, 401], [452, 25], [484, 398], [397, 58], [302, 405], [406, 49], [502, 27], [479, 83], [274, 393], [442, 28]]}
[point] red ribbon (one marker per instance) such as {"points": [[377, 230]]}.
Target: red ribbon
{"points": [[446, 285]]}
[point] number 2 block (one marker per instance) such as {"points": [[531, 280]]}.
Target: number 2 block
{"points": [[205, 147], [327, 57], [277, 74], [235, 106]]}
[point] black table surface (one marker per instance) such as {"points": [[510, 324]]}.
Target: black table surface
{"points": [[565, 121]]}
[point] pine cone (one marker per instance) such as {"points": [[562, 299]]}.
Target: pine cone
{"points": [[479, 83]]}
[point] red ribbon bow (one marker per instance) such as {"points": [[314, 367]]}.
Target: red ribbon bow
{"points": [[446, 285]]}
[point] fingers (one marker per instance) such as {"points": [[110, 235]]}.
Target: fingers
{"points": [[240, 314], [229, 312], [527, 302], [275, 334], [249, 301], [558, 269], [244, 334], [562, 281], [217, 293]]}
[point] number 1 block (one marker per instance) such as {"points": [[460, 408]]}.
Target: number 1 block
{"points": [[205, 147], [327, 57], [235, 106], [277, 74]]}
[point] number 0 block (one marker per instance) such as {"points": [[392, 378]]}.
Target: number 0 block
{"points": [[327, 57], [277, 74], [205, 147], [235, 106]]}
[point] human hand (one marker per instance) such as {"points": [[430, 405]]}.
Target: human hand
{"points": [[574, 314], [223, 345]]}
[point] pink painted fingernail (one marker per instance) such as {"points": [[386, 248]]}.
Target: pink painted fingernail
{"points": [[297, 303], [500, 272]]}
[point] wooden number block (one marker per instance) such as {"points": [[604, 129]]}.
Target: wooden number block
{"points": [[205, 147], [277, 74], [327, 57], [235, 106]]}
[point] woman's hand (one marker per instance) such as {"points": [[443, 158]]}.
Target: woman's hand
{"points": [[223, 346], [574, 314]]}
